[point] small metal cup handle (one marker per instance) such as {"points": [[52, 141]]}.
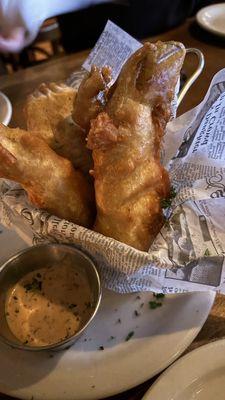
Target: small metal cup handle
{"points": [[194, 76]]}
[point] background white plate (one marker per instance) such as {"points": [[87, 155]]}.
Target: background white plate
{"points": [[84, 371], [212, 18], [200, 375], [5, 109]]}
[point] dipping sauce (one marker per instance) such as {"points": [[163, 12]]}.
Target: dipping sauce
{"points": [[48, 305]]}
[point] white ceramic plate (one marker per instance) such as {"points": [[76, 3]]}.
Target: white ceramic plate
{"points": [[86, 372], [200, 375], [5, 109], [212, 18]]}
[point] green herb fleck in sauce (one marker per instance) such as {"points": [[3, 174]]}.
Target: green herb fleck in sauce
{"points": [[34, 285]]}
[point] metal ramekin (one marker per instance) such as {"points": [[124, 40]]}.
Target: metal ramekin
{"points": [[32, 259]]}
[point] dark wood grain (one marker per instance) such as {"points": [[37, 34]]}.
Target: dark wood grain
{"points": [[17, 86]]}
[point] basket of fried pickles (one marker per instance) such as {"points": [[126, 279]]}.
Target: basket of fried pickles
{"points": [[91, 158]]}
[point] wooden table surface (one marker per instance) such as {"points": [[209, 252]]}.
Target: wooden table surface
{"points": [[18, 85]]}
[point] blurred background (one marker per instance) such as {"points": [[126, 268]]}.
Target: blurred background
{"points": [[46, 45], [28, 38]]}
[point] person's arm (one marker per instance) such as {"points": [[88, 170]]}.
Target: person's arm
{"points": [[20, 20]]}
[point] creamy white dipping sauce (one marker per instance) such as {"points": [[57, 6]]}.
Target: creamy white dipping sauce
{"points": [[48, 305]]}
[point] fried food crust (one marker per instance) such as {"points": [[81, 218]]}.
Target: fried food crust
{"points": [[48, 115], [126, 141], [50, 180]]}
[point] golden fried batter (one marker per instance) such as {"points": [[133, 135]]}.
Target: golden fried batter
{"points": [[48, 114], [46, 108], [50, 180], [126, 142], [91, 96]]}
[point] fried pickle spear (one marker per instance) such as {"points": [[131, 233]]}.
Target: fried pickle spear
{"points": [[46, 108], [50, 180], [91, 97], [126, 141], [48, 115], [90, 100]]}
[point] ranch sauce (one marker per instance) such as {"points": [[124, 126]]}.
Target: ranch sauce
{"points": [[48, 305]]}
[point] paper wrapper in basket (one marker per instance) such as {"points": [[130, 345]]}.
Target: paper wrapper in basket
{"points": [[188, 253]]}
